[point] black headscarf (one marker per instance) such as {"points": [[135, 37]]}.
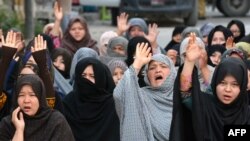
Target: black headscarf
{"points": [[241, 27], [131, 53], [226, 32], [90, 108], [46, 124], [67, 58], [209, 114], [177, 30], [211, 50]]}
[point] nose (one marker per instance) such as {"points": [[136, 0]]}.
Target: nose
{"points": [[26, 99], [158, 69], [228, 87]]}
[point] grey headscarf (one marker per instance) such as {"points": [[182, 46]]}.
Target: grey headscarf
{"points": [[104, 39], [113, 55], [79, 55], [137, 22], [183, 48], [114, 42], [113, 64], [188, 30], [145, 113]]}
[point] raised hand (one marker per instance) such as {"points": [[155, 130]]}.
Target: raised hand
{"points": [[193, 51], [122, 23], [230, 42], [58, 12], [39, 44], [142, 55], [152, 34], [17, 119], [10, 40]]}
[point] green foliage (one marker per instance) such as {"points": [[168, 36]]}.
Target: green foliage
{"points": [[9, 19]]}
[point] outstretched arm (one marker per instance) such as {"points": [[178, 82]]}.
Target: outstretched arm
{"points": [[122, 23], [40, 55], [142, 56], [193, 53], [58, 12], [9, 49]]}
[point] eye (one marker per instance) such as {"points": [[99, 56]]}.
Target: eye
{"points": [[151, 68], [223, 83]]}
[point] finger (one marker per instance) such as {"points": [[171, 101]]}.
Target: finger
{"points": [[35, 44], [3, 40], [192, 38], [11, 37], [142, 47], [14, 114], [14, 38], [32, 49], [8, 37], [21, 116], [148, 51]]}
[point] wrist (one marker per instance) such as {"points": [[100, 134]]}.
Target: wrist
{"points": [[137, 65]]}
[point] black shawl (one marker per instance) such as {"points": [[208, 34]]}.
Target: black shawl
{"points": [[209, 115], [45, 125], [90, 108]]}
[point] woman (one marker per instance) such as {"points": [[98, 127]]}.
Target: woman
{"points": [[78, 56], [77, 33], [200, 116], [176, 37], [145, 113], [62, 61], [117, 68], [89, 108], [116, 49], [31, 118], [214, 54], [219, 35], [237, 28], [103, 42]]}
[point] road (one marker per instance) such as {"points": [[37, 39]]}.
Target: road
{"points": [[97, 27]]}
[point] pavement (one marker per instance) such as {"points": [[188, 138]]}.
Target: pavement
{"points": [[97, 27]]}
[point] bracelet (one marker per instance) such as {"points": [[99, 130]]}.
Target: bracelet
{"points": [[3, 99], [51, 102]]}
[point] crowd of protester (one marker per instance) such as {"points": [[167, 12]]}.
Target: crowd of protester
{"points": [[66, 86]]}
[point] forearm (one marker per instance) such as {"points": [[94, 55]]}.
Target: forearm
{"points": [[186, 76], [40, 58], [137, 65], [18, 136], [56, 29], [205, 72], [8, 53]]}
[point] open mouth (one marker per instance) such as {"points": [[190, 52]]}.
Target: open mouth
{"points": [[227, 97], [26, 108], [159, 77]]}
